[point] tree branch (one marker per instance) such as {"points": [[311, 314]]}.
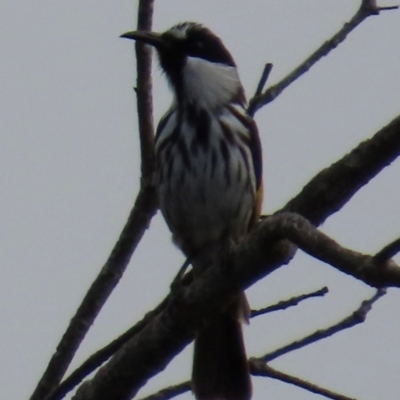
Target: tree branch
{"points": [[102, 355], [388, 252], [138, 221], [324, 195], [294, 301], [258, 368], [315, 243], [144, 94], [334, 186], [257, 255], [367, 9], [357, 317], [259, 90], [170, 392]]}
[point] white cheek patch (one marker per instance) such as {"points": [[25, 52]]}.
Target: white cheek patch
{"points": [[208, 83]]}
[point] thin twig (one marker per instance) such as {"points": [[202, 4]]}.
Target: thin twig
{"points": [[367, 9], [357, 317], [170, 392], [294, 301], [370, 6], [388, 252], [109, 276], [260, 87], [259, 368]]}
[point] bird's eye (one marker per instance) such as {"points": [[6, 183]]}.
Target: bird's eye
{"points": [[196, 48], [196, 45], [199, 45]]}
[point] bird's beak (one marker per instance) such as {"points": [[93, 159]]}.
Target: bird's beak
{"points": [[151, 38]]}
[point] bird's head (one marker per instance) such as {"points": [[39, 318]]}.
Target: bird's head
{"points": [[191, 52]]}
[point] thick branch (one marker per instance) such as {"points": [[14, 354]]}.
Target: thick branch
{"points": [[138, 221], [317, 202], [258, 366], [257, 256], [151, 350], [166, 335], [102, 355], [365, 268], [334, 186]]}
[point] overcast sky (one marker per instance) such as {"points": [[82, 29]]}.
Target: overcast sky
{"points": [[69, 171]]}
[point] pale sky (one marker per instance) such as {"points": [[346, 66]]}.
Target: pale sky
{"points": [[69, 169]]}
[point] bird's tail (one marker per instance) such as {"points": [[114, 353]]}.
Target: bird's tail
{"points": [[220, 367]]}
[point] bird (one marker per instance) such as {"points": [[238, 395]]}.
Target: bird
{"points": [[209, 183]]}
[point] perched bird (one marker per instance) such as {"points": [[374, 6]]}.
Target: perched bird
{"points": [[209, 171]]}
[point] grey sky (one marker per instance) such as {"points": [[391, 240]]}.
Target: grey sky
{"points": [[69, 172]]}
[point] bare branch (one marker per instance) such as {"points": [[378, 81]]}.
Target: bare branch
{"points": [[258, 255], [366, 9], [334, 186], [151, 349], [101, 288], [370, 6], [144, 94], [357, 317], [326, 193], [173, 319], [294, 301], [138, 221], [260, 87], [315, 243], [259, 368], [102, 355], [170, 392], [388, 252], [148, 352]]}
